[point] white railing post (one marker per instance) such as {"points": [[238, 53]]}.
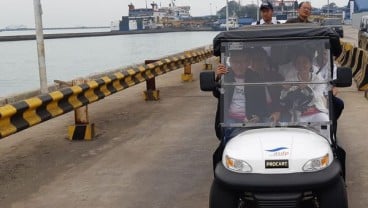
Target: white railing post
{"points": [[40, 46], [227, 15], [257, 10]]}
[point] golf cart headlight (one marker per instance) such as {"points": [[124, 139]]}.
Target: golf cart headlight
{"points": [[317, 164], [235, 165]]}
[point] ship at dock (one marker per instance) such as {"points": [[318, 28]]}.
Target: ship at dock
{"points": [[160, 18], [178, 18]]}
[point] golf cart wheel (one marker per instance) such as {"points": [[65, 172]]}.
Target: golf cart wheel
{"points": [[222, 198], [334, 196]]}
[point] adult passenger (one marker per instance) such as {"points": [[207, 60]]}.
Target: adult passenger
{"points": [[239, 64], [238, 110], [270, 96], [304, 11], [314, 109], [248, 103], [323, 64]]}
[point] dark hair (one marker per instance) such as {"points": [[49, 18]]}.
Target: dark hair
{"points": [[242, 52], [303, 52], [301, 4], [236, 53], [260, 55], [259, 52]]}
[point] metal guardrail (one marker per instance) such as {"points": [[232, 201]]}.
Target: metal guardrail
{"points": [[357, 59], [24, 114]]}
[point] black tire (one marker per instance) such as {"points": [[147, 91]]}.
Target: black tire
{"points": [[223, 198], [334, 196], [207, 81]]}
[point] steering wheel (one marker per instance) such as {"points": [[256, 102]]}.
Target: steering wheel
{"points": [[297, 98]]}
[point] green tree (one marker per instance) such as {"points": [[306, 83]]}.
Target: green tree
{"points": [[249, 11], [238, 10]]}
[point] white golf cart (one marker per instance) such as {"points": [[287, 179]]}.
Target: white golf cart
{"points": [[290, 161]]}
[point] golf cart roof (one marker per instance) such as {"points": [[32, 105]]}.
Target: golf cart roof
{"points": [[280, 31]]}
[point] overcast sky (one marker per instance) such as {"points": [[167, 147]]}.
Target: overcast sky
{"points": [[64, 13]]}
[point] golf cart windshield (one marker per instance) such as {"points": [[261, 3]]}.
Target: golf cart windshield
{"points": [[276, 83]]}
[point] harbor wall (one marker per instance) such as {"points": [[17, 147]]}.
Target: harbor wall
{"points": [[95, 34]]}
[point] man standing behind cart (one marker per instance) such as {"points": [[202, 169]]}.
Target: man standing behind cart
{"points": [[266, 14], [304, 11]]}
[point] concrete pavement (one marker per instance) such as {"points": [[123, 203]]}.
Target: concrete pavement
{"points": [[352, 134], [146, 154]]}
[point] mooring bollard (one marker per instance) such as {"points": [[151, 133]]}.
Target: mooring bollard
{"points": [[151, 93], [187, 76], [82, 129]]}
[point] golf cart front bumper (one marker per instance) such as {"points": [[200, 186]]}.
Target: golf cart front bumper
{"points": [[291, 182]]}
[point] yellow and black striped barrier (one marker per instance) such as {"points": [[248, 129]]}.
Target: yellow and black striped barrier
{"points": [[24, 114], [363, 43], [357, 59], [81, 132]]}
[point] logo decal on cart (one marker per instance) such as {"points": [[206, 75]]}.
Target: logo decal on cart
{"points": [[279, 152], [277, 149]]}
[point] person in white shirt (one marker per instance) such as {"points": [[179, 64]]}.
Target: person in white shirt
{"points": [[238, 65], [323, 64], [304, 71], [266, 10]]}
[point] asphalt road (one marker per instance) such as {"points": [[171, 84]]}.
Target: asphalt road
{"points": [[146, 154]]}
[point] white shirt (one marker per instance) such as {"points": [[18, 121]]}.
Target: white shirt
{"points": [[261, 22], [237, 106], [319, 100], [325, 72], [285, 69]]}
